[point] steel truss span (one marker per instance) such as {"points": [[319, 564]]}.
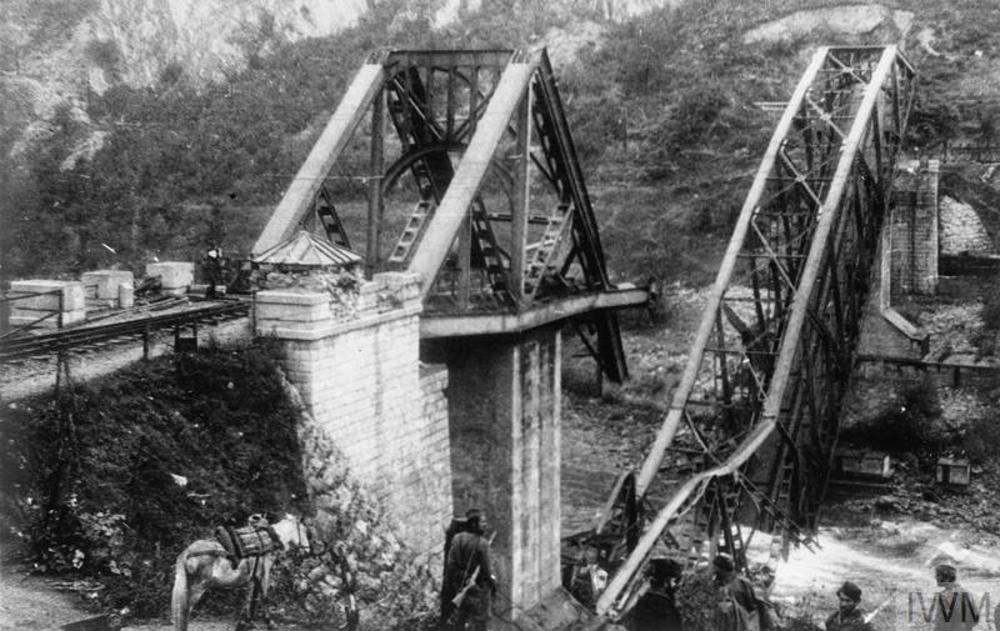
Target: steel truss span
{"points": [[747, 443], [471, 179]]}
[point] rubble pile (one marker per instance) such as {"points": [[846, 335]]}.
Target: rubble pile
{"points": [[962, 231], [954, 331], [341, 284], [918, 496]]}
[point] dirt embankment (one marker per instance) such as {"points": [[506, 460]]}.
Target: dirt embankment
{"points": [[34, 376]]}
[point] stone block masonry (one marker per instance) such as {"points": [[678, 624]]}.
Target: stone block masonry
{"points": [[915, 232], [884, 331], [355, 361], [49, 303], [504, 397], [962, 230], [107, 283], [176, 277]]}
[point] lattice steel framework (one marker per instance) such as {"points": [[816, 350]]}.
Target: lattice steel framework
{"points": [[755, 414], [478, 189]]}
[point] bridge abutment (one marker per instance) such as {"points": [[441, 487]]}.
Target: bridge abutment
{"points": [[476, 424], [354, 357]]}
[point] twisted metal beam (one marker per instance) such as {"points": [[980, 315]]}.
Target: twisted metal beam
{"points": [[807, 234]]}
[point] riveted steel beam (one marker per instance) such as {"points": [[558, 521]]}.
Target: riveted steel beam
{"points": [[781, 323]]}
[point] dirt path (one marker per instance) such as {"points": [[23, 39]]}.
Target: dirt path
{"points": [[33, 603], [28, 603]]}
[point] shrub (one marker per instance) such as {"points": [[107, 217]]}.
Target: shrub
{"points": [[87, 478], [907, 425], [991, 307], [982, 435]]}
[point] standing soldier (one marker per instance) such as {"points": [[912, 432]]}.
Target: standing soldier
{"points": [[656, 610], [468, 575], [213, 268], [954, 607], [739, 609], [849, 616]]}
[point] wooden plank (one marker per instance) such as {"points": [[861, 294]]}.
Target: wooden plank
{"points": [[298, 197]]}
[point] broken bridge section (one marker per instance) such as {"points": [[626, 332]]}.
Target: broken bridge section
{"points": [[472, 181], [480, 242], [755, 413]]}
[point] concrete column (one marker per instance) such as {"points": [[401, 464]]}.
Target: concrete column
{"points": [[504, 407]]}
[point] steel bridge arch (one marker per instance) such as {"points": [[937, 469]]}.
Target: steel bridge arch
{"points": [[804, 243]]}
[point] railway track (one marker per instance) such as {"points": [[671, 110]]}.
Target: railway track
{"points": [[96, 336]]}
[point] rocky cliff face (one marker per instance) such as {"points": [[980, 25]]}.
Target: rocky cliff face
{"points": [[60, 54], [101, 42], [55, 54], [134, 41]]}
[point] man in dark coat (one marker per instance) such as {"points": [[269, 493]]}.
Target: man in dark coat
{"points": [[955, 608], [740, 609], [468, 556], [655, 610], [848, 616]]}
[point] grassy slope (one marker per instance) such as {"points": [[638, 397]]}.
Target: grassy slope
{"points": [[651, 219], [87, 475], [668, 210]]}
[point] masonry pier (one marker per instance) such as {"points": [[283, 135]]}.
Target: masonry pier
{"points": [[482, 243], [505, 416]]}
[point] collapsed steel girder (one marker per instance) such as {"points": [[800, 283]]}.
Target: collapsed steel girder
{"points": [[479, 189], [755, 413]]}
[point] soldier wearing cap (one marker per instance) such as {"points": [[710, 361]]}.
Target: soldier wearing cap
{"points": [[468, 565], [954, 608], [848, 616], [739, 608]]}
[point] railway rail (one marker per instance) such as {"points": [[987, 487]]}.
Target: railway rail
{"points": [[13, 349]]}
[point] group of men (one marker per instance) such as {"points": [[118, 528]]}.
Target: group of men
{"points": [[469, 584], [740, 609], [952, 609]]}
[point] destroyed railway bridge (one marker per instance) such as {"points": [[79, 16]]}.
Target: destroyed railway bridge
{"points": [[440, 380]]}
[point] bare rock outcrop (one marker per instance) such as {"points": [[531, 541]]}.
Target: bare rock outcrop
{"points": [[853, 20]]}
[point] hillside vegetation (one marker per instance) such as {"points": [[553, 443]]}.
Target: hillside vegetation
{"points": [[90, 487], [106, 482], [661, 107]]}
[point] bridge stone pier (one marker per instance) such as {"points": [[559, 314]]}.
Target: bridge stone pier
{"points": [[475, 424], [355, 362], [440, 379], [504, 405]]}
